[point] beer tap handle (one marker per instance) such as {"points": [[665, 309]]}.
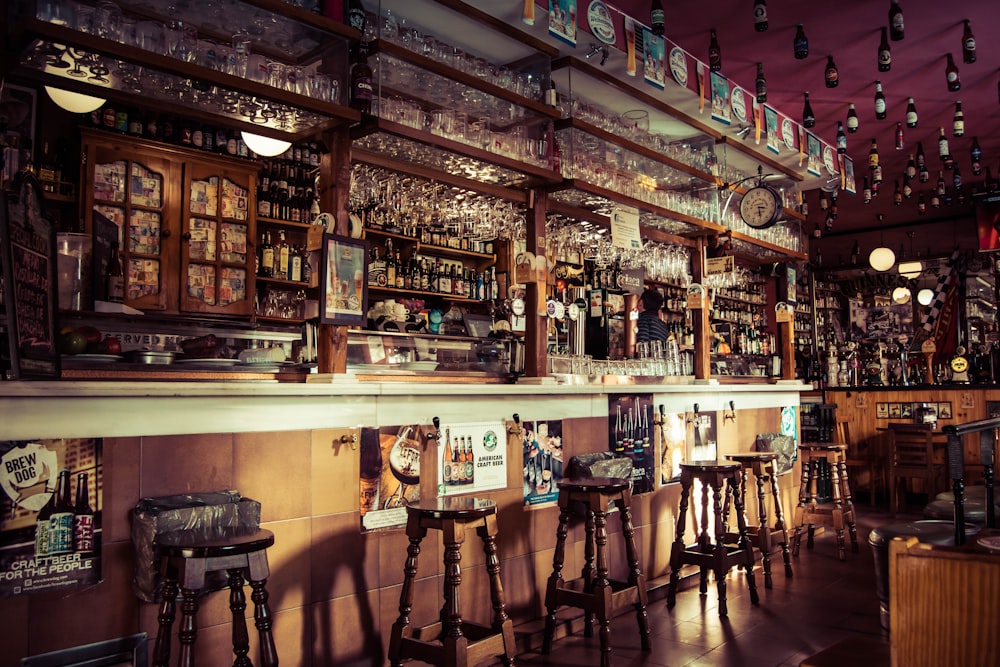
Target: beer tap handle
{"points": [[433, 435], [516, 429]]}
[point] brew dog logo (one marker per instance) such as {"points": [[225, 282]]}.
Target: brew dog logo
{"points": [[28, 470]]}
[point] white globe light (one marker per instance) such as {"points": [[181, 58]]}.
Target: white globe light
{"points": [[925, 296], [901, 295], [264, 146], [74, 102], [882, 259], [910, 269]]}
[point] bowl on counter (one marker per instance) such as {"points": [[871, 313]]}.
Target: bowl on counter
{"points": [[150, 357], [421, 366]]}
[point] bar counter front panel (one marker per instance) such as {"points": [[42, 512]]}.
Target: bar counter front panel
{"points": [[334, 589]]}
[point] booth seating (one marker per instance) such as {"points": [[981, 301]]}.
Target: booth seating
{"points": [[452, 641], [712, 551], [594, 591], [186, 556]]}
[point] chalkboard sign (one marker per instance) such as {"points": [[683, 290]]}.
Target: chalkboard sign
{"points": [[27, 243]]}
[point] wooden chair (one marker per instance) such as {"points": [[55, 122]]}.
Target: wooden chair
{"points": [[912, 457], [866, 456], [943, 608]]}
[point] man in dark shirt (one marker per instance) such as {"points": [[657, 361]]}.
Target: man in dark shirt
{"points": [[649, 325]]}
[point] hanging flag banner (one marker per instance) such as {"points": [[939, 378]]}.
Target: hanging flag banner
{"points": [[653, 70], [850, 184], [679, 67], [739, 104], [771, 125], [814, 150], [625, 227], [720, 98], [756, 121], [788, 134], [630, 66], [600, 23], [562, 20], [830, 161]]}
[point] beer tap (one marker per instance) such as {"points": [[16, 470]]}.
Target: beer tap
{"points": [[726, 416], [594, 50], [694, 411], [517, 429], [433, 435], [347, 439]]}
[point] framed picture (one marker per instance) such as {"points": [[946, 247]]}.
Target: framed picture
{"points": [[906, 410], [343, 281], [881, 410], [944, 410]]}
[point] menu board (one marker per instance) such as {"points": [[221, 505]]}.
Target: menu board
{"points": [[27, 245]]}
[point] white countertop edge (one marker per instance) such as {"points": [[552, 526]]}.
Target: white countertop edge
{"points": [[350, 387]]}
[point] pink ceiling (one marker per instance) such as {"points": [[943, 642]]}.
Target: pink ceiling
{"points": [[849, 30]]}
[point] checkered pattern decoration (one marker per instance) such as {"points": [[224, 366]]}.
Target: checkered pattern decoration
{"points": [[945, 282]]}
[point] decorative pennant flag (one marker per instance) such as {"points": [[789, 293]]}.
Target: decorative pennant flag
{"points": [[815, 157], [702, 84], [630, 65], [720, 98], [802, 144], [938, 321], [653, 64], [756, 121], [848, 183], [771, 125], [562, 20]]}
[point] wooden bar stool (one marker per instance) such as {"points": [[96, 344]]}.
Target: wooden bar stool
{"points": [[811, 511], [452, 641], [763, 465], [712, 552], [593, 591], [186, 557]]}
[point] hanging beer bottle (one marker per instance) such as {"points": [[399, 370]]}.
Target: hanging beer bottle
{"points": [[867, 191], [760, 15], [958, 120], [852, 118], [832, 76], [656, 18], [951, 76], [800, 43], [911, 113], [899, 136], [880, 112], [873, 154], [921, 205], [714, 52], [968, 44], [761, 84], [943, 151], [841, 138], [897, 195], [956, 177], [895, 21], [884, 52], [808, 117], [976, 153], [911, 167], [907, 187]]}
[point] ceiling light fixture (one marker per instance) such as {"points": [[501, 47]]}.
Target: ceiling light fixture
{"points": [[925, 296], [74, 102], [910, 269], [882, 258], [265, 146], [901, 295]]}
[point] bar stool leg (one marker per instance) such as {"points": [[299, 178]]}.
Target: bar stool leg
{"points": [[168, 592], [805, 490], [636, 577], [238, 605], [741, 523], [779, 519], [189, 630], [763, 530], [704, 539], [848, 503], [602, 586], [555, 579], [501, 622], [262, 620], [587, 574], [677, 549], [719, 563], [402, 625], [838, 510], [455, 643]]}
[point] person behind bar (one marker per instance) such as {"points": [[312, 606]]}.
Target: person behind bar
{"points": [[649, 325]]}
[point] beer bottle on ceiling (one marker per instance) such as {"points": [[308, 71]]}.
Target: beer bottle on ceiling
{"points": [[760, 16], [897, 195], [911, 167], [873, 154], [940, 184], [832, 75], [867, 191], [884, 52], [656, 18], [899, 136], [714, 52], [968, 44], [761, 84], [958, 120], [911, 113], [907, 187], [880, 112], [976, 153], [921, 205], [956, 177], [800, 43], [852, 118], [951, 75], [841, 138], [943, 151], [808, 117], [895, 21]]}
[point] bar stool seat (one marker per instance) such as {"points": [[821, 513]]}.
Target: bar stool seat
{"points": [[452, 641], [594, 591], [764, 537], [186, 557], [812, 510], [712, 551]]}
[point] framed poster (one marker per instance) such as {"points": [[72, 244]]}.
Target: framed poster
{"points": [[343, 283], [28, 247]]}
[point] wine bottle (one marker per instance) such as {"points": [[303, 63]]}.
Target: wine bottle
{"points": [[714, 52], [832, 76], [951, 75], [968, 44], [884, 52], [656, 18], [281, 254], [760, 15], [880, 111], [808, 117], [911, 113], [895, 21], [958, 120], [976, 153], [852, 118], [800, 43], [266, 268], [761, 84]]}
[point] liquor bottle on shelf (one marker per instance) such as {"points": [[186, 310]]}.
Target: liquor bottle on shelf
{"points": [[281, 256], [362, 89], [266, 267], [295, 264]]}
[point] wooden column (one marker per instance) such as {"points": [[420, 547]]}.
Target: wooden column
{"points": [[335, 184], [535, 335], [786, 343], [700, 321]]}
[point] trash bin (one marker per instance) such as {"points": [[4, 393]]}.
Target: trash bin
{"points": [[927, 532]]}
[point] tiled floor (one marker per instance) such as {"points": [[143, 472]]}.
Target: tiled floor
{"points": [[826, 600]]}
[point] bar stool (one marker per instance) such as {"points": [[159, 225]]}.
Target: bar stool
{"points": [[452, 641], [763, 465], [593, 591], [718, 555], [185, 558], [811, 510]]}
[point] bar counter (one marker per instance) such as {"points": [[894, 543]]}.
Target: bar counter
{"points": [[334, 589]]}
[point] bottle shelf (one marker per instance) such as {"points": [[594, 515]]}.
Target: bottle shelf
{"points": [[411, 293], [287, 283]]}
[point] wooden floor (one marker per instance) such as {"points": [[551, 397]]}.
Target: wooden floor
{"points": [[825, 602]]}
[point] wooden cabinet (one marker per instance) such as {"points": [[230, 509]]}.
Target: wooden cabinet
{"points": [[185, 222]]}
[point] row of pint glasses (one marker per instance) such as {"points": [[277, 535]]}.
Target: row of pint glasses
{"points": [[181, 41], [660, 358]]}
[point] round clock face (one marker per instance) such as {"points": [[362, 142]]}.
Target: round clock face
{"points": [[760, 207]]}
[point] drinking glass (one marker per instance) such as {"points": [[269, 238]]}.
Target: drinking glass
{"points": [[149, 36], [182, 42], [83, 18], [240, 54], [108, 20]]}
